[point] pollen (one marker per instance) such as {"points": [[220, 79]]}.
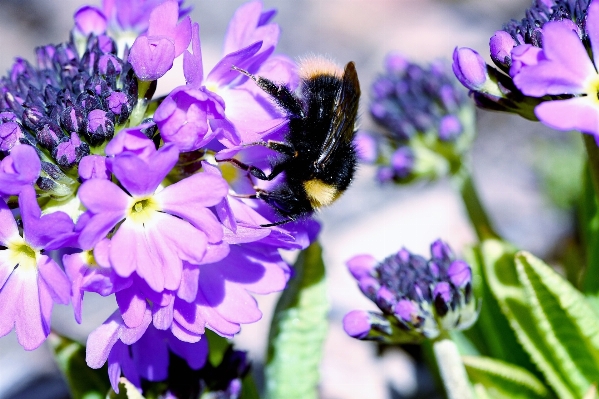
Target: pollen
{"points": [[320, 193], [142, 210]]}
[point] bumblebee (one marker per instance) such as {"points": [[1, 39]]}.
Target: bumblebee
{"points": [[318, 157]]}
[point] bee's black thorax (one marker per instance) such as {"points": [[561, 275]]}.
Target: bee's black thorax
{"points": [[318, 156]]}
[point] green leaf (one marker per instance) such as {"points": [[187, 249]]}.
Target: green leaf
{"points": [[298, 330], [567, 324], [217, 347], [84, 382], [503, 380], [502, 277], [492, 334]]}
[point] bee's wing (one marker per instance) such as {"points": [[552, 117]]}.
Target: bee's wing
{"points": [[344, 117]]}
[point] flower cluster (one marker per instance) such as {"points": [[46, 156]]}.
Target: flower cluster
{"points": [[426, 117], [125, 191], [547, 66], [419, 298]]}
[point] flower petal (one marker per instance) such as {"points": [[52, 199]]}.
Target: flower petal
{"points": [[579, 113]]}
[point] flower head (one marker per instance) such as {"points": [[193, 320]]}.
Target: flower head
{"points": [[426, 116], [419, 298]]}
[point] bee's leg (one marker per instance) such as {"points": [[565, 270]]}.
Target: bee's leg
{"points": [[281, 93], [254, 171], [278, 146]]}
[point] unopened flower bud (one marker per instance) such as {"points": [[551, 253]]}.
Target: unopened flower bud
{"points": [[470, 68]]}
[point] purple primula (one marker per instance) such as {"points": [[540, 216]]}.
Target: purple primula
{"points": [[563, 67], [158, 228], [194, 114], [136, 203], [153, 53], [19, 170], [30, 281]]}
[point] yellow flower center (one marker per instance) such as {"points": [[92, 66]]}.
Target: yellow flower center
{"points": [[22, 254], [592, 89], [142, 210]]}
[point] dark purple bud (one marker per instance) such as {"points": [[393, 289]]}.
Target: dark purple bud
{"points": [[382, 87], [89, 61], [450, 128], [69, 152], [148, 128], [117, 102], [385, 174], [404, 255], [378, 110], [501, 45], [15, 103], [369, 287], [10, 134], [34, 118], [406, 310], [98, 86], [45, 56], [442, 298], [459, 273], [89, 102], [106, 44], [402, 161], [50, 135], [470, 68], [361, 266], [440, 251], [357, 324], [449, 98], [93, 167], [443, 290], [395, 63], [72, 119], [99, 127], [385, 299], [109, 65]]}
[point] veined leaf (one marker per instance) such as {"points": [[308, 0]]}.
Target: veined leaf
{"points": [[492, 334], [503, 380], [502, 277], [298, 330], [566, 322]]}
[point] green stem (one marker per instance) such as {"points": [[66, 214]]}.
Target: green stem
{"points": [[593, 156], [463, 182], [451, 369]]}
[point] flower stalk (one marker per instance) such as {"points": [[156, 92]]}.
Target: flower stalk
{"points": [[451, 369]]}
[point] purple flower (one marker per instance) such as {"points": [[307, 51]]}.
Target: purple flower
{"points": [[19, 170], [194, 114], [133, 15], [30, 281], [10, 133], [141, 352], [419, 298], [563, 67], [160, 228], [152, 54]]}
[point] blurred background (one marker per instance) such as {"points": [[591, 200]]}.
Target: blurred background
{"points": [[510, 156]]}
